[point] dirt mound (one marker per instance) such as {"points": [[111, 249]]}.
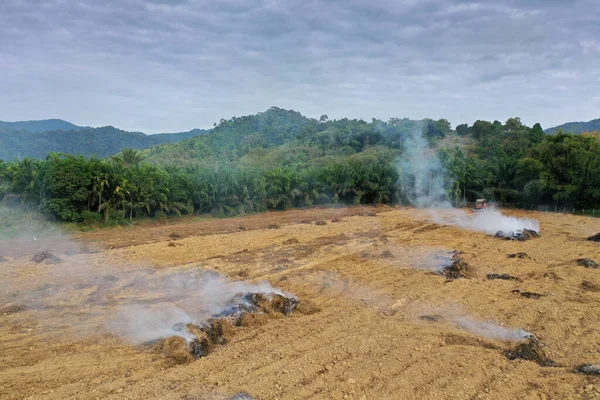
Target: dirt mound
{"points": [[368, 214], [45, 256], [336, 219], [251, 319], [320, 222], [590, 286], [175, 236], [306, 221], [12, 309], [588, 369], [273, 226], [520, 236], [387, 254], [520, 255], [242, 228], [291, 241], [584, 262], [595, 238], [531, 350], [505, 277], [457, 268], [175, 349], [307, 307]]}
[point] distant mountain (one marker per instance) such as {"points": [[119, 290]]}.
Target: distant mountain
{"points": [[39, 126], [102, 142], [577, 127]]}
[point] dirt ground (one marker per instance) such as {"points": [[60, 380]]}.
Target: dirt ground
{"points": [[368, 274]]}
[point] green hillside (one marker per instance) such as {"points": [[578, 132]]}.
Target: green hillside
{"points": [[39, 126], [576, 127], [280, 159], [102, 142]]}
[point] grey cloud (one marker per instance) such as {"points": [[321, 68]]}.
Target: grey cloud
{"points": [[174, 65]]}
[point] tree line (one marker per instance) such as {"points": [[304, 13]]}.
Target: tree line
{"points": [[280, 159], [76, 188]]}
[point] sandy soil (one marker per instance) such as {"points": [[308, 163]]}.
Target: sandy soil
{"points": [[369, 276]]}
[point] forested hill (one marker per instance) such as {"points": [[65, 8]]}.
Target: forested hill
{"points": [[39, 126], [279, 137], [577, 127], [102, 142]]}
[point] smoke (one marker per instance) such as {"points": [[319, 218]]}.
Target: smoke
{"points": [[95, 292], [491, 330], [489, 221], [421, 172], [183, 297], [424, 181], [455, 315]]}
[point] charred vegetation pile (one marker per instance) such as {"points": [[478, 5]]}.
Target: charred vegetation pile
{"points": [[531, 350], [504, 277], [251, 309], [519, 236], [47, 257], [456, 267], [584, 262], [594, 238]]}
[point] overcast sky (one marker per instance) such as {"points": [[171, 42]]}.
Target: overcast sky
{"points": [[173, 65]]}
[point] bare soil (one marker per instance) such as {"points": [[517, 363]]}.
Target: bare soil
{"points": [[370, 328]]}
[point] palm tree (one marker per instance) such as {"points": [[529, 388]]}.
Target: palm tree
{"points": [[129, 157], [281, 188]]}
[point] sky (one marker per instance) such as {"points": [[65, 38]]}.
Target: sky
{"points": [[168, 66]]}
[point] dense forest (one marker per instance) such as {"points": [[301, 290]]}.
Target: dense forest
{"points": [[280, 159], [101, 142]]}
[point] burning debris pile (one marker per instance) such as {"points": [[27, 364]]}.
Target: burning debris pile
{"points": [[46, 256], [531, 350], [519, 235], [194, 341], [594, 238], [455, 267], [584, 262]]}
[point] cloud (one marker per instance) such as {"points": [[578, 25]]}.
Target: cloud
{"points": [[174, 65]]}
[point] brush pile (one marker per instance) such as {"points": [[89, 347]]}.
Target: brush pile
{"points": [[594, 238], [531, 350], [584, 262], [197, 340], [456, 267], [588, 369], [504, 277], [519, 236], [45, 256]]}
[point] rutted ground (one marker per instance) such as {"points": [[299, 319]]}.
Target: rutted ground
{"points": [[366, 342]]}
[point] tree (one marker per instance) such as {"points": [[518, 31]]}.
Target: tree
{"points": [[129, 157]]}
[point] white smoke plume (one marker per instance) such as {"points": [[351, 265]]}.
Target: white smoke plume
{"points": [[491, 330], [454, 314], [183, 297], [489, 221], [424, 181]]}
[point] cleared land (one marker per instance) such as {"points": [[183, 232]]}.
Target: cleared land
{"points": [[369, 276]]}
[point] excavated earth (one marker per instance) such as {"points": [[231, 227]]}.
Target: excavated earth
{"points": [[372, 327]]}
